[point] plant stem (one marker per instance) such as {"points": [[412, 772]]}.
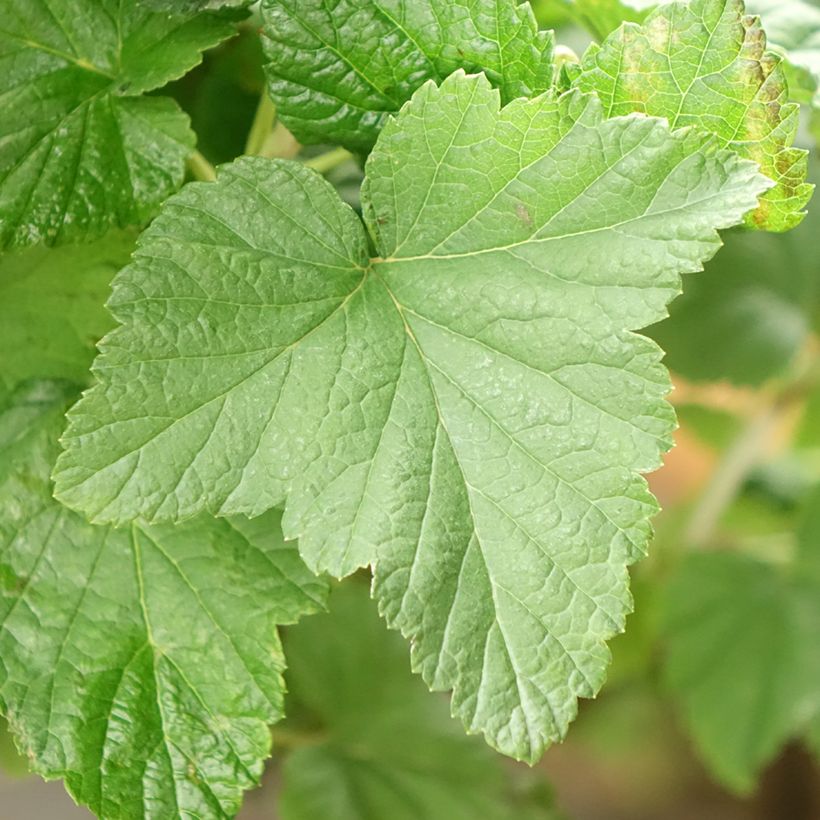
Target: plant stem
{"points": [[263, 123], [748, 450], [727, 480], [200, 168], [327, 162], [280, 143]]}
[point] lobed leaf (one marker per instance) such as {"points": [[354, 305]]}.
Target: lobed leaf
{"points": [[469, 411], [80, 149], [705, 63], [338, 73], [143, 664]]}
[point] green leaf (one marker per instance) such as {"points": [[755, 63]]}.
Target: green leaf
{"points": [[52, 308], [743, 658], [704, 63], [142, 665], [222, 95], [370, 742], [469, 411], [794, 26], [751, 313], [80, 149], [337, 74]]}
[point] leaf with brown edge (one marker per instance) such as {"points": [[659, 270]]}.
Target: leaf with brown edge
{"points": [[705, 63]]}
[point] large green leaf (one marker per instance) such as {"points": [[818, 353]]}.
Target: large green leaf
{"points": [[338, 71], [52, 307], [754, 309], [743, 659], [80, 149], [469, 410], [376, 745], [142, 665], [704, 63]]}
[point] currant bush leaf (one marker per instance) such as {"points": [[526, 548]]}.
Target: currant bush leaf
{"points": [[337, 74], [384, 748], [794, 26], [742, 658], [469, 410], [753, 310], [142, 665], [80, 149], [704, 63], [52, 307]]}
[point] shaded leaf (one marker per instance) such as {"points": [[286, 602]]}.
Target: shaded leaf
{"points": [[381, 746], [338, 73], [743, 659], [52, 308], [142, 665], [80, 149]]}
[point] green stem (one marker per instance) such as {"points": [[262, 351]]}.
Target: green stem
{"points": [[327, 162], [280, 143], [200, 168], [263, 123], [749, 449]]}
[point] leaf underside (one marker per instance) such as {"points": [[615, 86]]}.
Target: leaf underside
{"points": [[142, 665], [80, 149], [468, 412], [704, 63]]}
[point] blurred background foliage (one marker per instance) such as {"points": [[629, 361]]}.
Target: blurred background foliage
{"points": [[712, 708]]}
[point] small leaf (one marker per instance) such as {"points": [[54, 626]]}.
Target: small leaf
{"points": [[142, 665], [52, 307], [705, 63], [80, 149], [337, 72], [376, 745], [743, 659], [469, 411]]}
